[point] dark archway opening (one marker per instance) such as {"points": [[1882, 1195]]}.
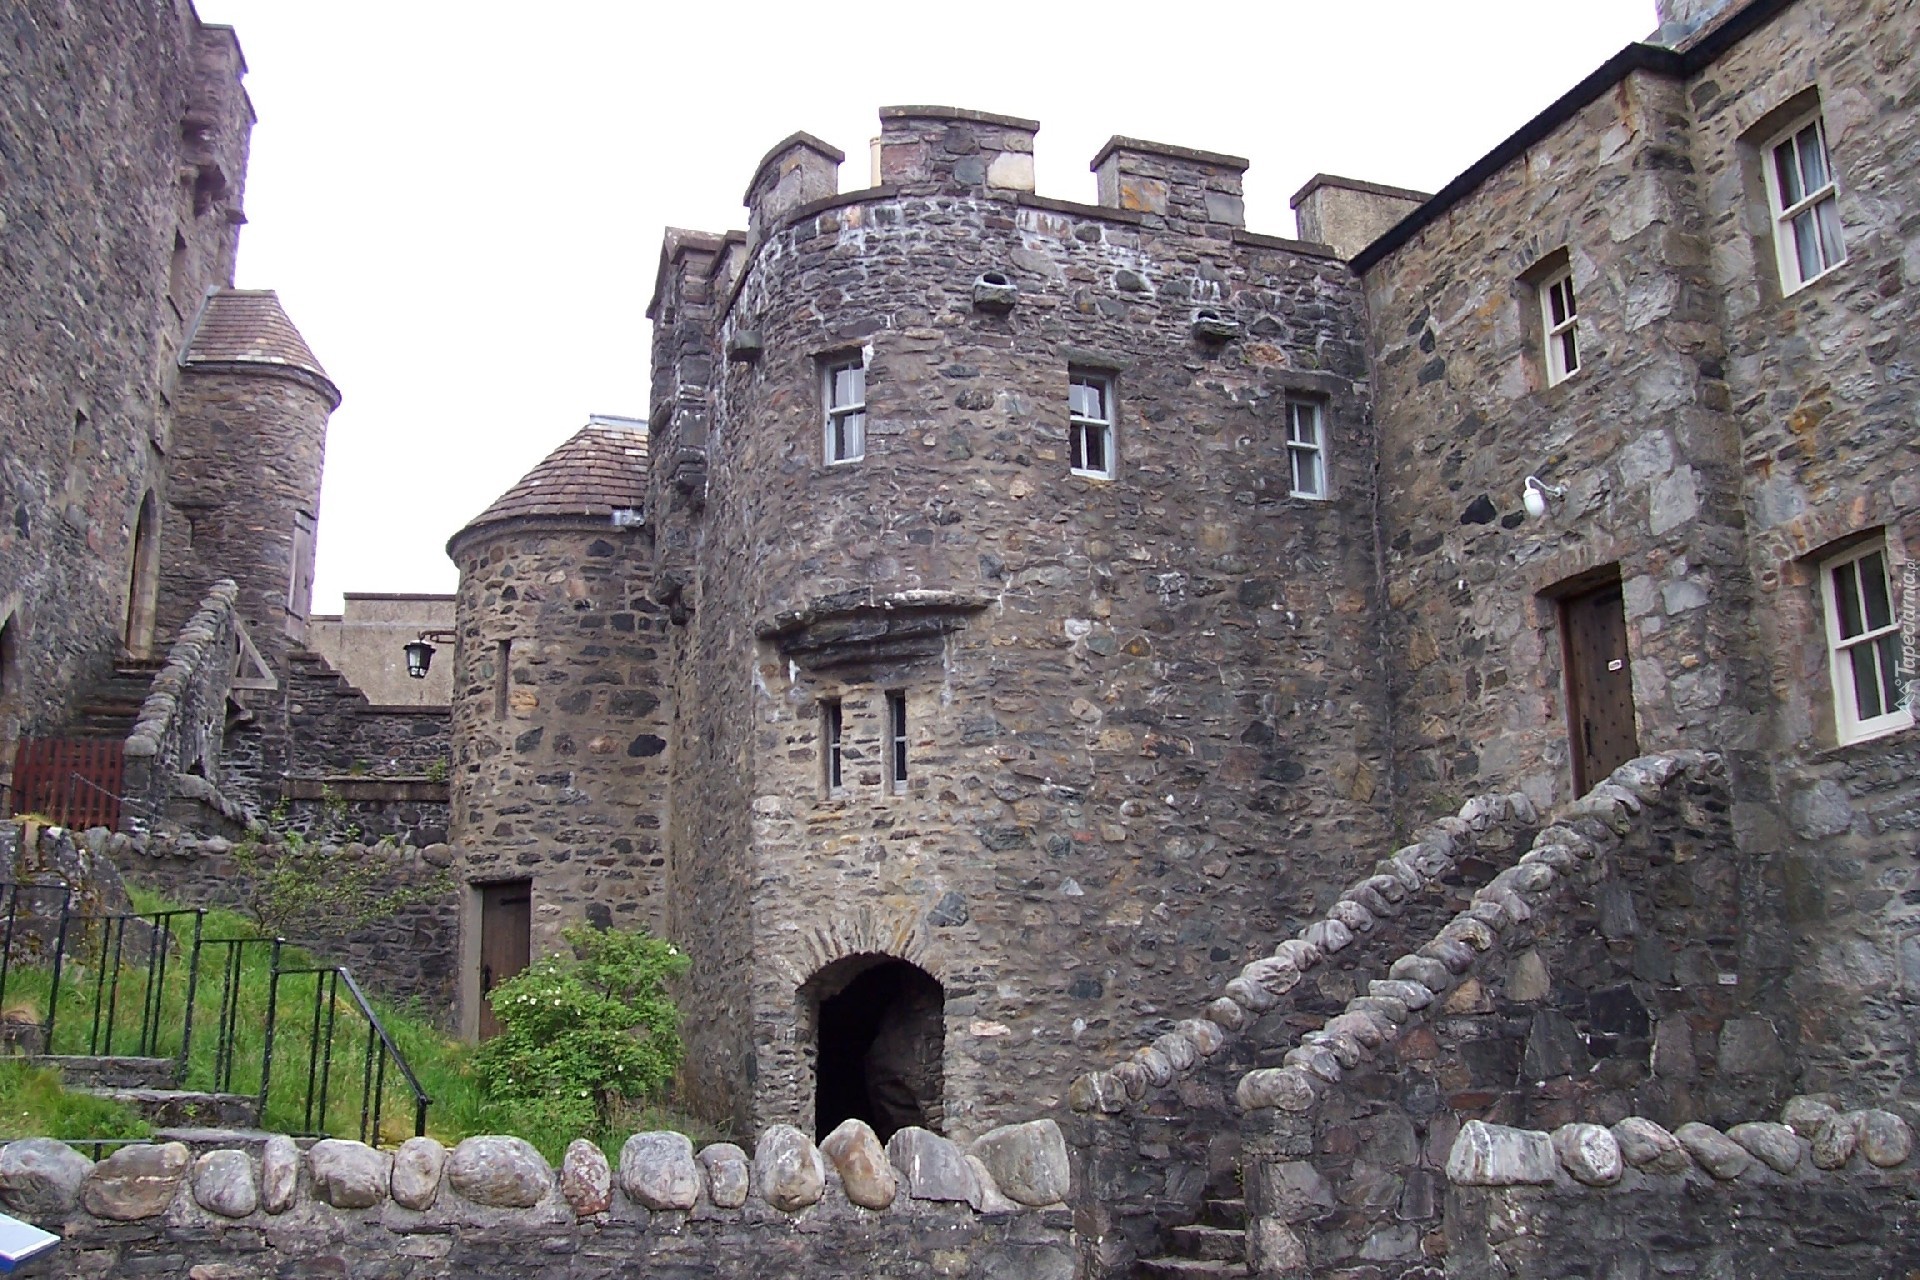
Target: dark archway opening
{"points": [[881, 1036], [143, 582]]}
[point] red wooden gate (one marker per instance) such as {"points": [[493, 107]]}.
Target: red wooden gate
{"points": [[75, 782]]}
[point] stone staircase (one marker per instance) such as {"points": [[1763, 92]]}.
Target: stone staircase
{"points": [[109, 708], [1215, 1246], [147, 1087]]}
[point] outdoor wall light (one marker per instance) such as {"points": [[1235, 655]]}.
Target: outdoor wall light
{"points": [[420, 652], [1535, 496]]}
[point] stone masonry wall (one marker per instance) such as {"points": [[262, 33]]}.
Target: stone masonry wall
{"points": [[1146, 732], [1640, 436], [493, 1207], [92, 102], [562, 754], [411, 953], [1827, 412]]}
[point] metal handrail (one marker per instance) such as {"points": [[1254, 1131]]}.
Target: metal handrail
{"points": [[379, 1049]]}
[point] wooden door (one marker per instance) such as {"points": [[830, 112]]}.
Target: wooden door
{"points": [[1599, 684], [506, 931]]}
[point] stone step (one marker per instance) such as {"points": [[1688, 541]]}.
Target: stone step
{"points": [[203, 1140], [1215, 1243], [187, 1108], [1225, 1213], [80, 1071], [1187, 1269]]}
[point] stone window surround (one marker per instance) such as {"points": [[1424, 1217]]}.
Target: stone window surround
{"points": [[1847, 728], [832, 747], [842, 446], [1105, 429], [1777, 131], [896, 700]]}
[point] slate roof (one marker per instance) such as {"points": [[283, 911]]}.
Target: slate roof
{"points": [[602, 469], [248, 326]]}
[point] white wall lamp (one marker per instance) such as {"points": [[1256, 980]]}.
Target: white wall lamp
{"points": [[1535, 496]]}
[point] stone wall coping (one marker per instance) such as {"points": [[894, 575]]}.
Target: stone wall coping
{"points": [[852, 604], [423, 1182], [1575, 846], [1811, 1139], [473, 534], [1261, 983], [1192, 155], [162, 704], [1310, 248], [1320, 180], [266, 367], [798, 138], [1073, 208], [958, 113]]}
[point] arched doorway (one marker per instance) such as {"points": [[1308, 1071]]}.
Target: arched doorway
{"points": [[143, 585], [880, 1036]]}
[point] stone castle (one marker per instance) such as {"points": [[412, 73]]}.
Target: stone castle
{"points": [[1021, 627]]}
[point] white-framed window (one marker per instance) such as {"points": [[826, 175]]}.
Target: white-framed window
{"points": [[1863, 644], [1307, 448], [832, 759], [844, 393], [897, 740], [1090, 424], [1559, 320], [1806, 204]]}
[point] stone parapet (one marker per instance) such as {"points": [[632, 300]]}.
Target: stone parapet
{"points": [[1195, 192], [178, 736], [493, 1206], [925, 149], [800, 168]]}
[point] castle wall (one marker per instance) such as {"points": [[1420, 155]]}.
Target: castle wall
{"points": [[1144, 724], [1829, 425], [93, 102], [1718, 442], [559, 757]]}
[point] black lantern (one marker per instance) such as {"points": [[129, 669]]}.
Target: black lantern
{"points": [[419, 658]]}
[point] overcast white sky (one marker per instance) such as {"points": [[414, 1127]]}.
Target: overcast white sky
{"points": [[461, 203]]}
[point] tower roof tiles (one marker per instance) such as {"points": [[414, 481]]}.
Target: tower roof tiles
{"points": [[248, 326], [600, 470]]}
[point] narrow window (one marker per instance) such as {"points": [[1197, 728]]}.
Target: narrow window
{"points": [[844, 390], [1863, 644], [1558, 317], [1806, 204], [1090, 415], [502, 660], [897, 740], [9, 658], [1306, 449], [830, 741], [300, 580]]}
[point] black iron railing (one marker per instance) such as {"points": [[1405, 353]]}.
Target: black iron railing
{"points": [[366, 1058], [129, 984]]}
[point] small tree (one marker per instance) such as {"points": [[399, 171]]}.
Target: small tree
{"points": [[583, 1034]]}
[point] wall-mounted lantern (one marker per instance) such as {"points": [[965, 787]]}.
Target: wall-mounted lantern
{"points": [[1535, 494], [420, 652]]}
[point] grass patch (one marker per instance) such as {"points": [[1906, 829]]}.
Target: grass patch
{"points": [[308, 1032], [34, 1103]]}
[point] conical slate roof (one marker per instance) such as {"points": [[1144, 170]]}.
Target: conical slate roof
{"points": [[248, 326], [602, 469]]}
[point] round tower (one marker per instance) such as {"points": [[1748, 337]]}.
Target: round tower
{"points": [[244, 475], [559, 738]]}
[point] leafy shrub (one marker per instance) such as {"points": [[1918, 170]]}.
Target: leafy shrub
{"points": [[584, 1035], [303, 888]]}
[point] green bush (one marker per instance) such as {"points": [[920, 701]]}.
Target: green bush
{"points": [[584, 1036]]}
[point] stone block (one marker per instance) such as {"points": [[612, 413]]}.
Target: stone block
{"points": [[40, 1179], [1491, 1155], [658, 1171], [501, 1172], [1713, 1151], [586, 1178], [224, 1183], [1649, 1146], [787, 1170], [933, 1167], [729, 1174], [417, 1166], [1590, 1153], [854, 1151]]}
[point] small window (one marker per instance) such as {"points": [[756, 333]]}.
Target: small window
{"points": [[845, 394], [1806, 204], [1090, 414], [9, 658], [897, 741], [1559, 316], [1863, 643], [831, 726], [502, 665], [1306, 449]]}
